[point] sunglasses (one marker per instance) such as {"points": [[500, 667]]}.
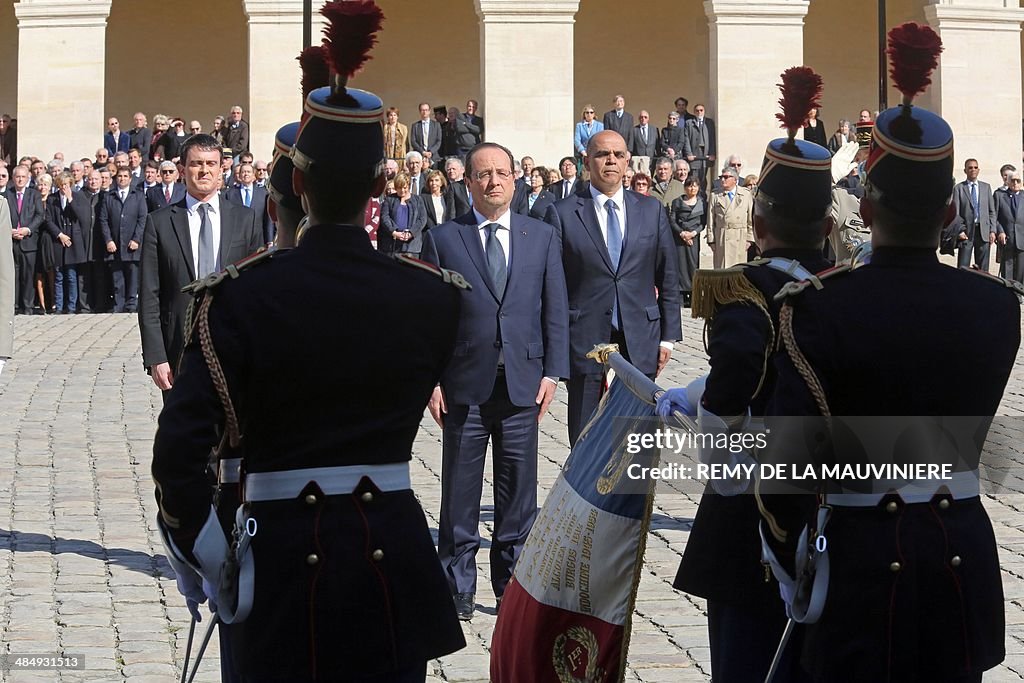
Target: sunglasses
{"points": [[167, 171]]}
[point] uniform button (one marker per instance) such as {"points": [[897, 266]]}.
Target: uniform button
{"points": [[895, 567], [367, 497], [891, 506], [378, 555], [312, 558], [955, 561], [310, 499], [944, 504]]}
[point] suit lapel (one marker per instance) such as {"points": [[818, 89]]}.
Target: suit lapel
{"points": [[634, 224], [179, 221], [471, 238], [587, 212], [227, 230], [517, 243]]}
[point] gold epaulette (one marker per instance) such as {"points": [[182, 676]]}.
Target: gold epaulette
{"points": [[794, 288], [1012, 285], [713, 289], [450, 276], [233, 271]]}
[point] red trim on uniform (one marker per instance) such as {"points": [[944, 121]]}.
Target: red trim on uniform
{"points": [[380, 575], [892, 597], [796, 162], [959, 591], [912, 153], [345, 115]]}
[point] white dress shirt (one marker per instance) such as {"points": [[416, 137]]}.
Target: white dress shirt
{"points": [[194, 221], [439, 208]]}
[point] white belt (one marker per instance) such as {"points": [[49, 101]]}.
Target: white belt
{"points": [[333, 481], [960, 486], [229, 470]]}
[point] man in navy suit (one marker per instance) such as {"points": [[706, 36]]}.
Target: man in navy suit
{"points": [[621, 273], [122, 218], [248, 193], [511, 348], [115, 140], [167, 191], [425, 136]]}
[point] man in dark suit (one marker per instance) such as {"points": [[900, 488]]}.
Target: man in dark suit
{"points": [[670, 141], [168, 191], [972, 201], [457, 199], [92, 272], [248, 193], [510, 350], [620, 120], [122, 218], [468, 128], [187, 240], [115, 140], [618, 251], [140, 137], [425, 137], [26, 208], [417, 176], [236, 133], [1010, 222], [570, 182], [700, 145], [645, 143]]}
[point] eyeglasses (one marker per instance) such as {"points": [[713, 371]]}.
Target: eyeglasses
{"points": [[194, 130], [485, 176], [167, 170], [1016, 180], [589, 111]]}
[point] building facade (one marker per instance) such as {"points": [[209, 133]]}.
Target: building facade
{"points": [[65, 65]]}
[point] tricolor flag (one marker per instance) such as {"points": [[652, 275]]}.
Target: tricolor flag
{"points": [[566, 613]]}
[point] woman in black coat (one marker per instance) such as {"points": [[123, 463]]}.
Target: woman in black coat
{"points": [[688, 218], [402, 220], [434, 200], [533, 202], [814, 131], [67, 221]]}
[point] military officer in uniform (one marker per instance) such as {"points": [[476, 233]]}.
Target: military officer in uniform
{"points": [[722, 560], [913, 582], [330, 573]]}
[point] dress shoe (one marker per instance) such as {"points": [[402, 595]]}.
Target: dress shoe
{"points": [[497, 604], [465, 605]]}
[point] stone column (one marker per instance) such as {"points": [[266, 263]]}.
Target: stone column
{"points": [[526, 72], [752, 42], [61, 76], [275, 94], [977, 87]]}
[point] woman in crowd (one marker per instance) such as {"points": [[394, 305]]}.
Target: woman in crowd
{"points": [[814, 131], [402, 219], [641, 183], [44, 258], [688, 218], [554, 177], [534, 203], [396, 138], [840, 137], [585, 129], [67, 218], [434, 201], [160, 126], [171, 141], [750, 182]]}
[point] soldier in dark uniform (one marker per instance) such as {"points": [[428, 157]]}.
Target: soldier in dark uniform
{"points": [[722, 560], [914, 590], [331, 556]]}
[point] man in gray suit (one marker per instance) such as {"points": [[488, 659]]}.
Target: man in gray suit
{"points": [[700, 146], [972, 202], [1010, 228], [6, 285], [197, 236]]}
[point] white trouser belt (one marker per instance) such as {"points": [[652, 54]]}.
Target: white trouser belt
{"points": [[961, 485], [333, 481], [229, 470]]}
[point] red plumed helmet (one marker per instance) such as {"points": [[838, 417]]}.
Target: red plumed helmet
{"points": [[913, 55]]}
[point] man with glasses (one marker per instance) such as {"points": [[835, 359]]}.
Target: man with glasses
{"points": [[425, 136], [645, 143], [502, 377], [195, 127], [236, 134], [262, 172], [1010, 228], [168, 192], [670, 142], [730, 232], [140, 137], [973, 203], [115, 140], [122, 220]]}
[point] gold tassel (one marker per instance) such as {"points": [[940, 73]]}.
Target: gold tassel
{"points": [[714, 288]]}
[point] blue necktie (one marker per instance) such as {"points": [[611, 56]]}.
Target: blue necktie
{"points": [[730, 197], [496, 259], [247, 197], [1013, 204], [614, 251], [974, 203]]}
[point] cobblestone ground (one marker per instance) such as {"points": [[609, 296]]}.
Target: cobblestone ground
{"points": [[82, 571]]}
